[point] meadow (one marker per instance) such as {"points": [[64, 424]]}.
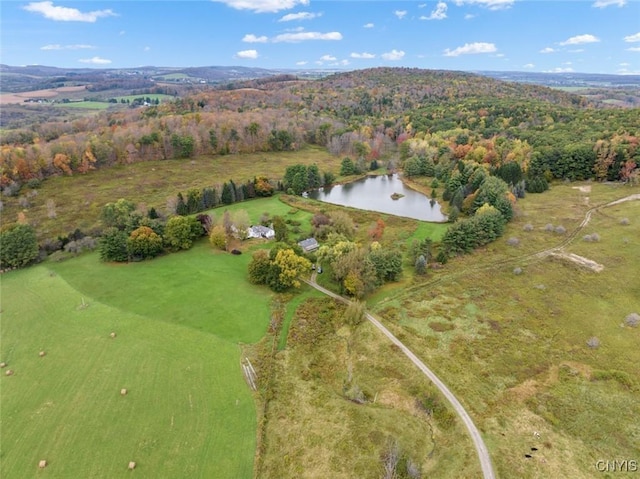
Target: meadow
{"points": [[512, 344], [179, 321], [79, 199]]}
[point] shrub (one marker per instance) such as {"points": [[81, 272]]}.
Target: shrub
{"points": [[421, 265], [143, 242], [113, 245], [513, 241], [517, 271], [548, 227], [560, 230], [632, 320], [34, 183], [593, 342], [527, 227], [18, 246], [592, 238], [625, 221], [181, 231]]}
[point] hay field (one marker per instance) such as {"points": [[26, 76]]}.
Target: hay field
{"points": [[178, 321]]}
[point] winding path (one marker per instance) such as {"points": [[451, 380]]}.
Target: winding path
{"points": [[478, 442], [481, 448]]}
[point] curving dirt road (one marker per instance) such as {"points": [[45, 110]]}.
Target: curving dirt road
{"points": [[481, 448]]}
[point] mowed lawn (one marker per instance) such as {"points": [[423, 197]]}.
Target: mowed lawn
{"points": [[178, 321]]}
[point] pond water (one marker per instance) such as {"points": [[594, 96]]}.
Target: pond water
{"points": [[374, 194]]}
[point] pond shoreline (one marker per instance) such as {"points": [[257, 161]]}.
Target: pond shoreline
{"points": [[385, 193]]}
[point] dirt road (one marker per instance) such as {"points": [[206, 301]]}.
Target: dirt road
{"points": [[481, 448]]}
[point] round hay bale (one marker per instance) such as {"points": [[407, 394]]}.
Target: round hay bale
{"points": [[132, 465], [123, 392], [42, 354], [113, 335], [9, 372], [3, 365], [42, 464]]}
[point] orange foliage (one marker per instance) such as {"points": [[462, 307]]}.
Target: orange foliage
{"points": [[88, 159], [62, 161]]}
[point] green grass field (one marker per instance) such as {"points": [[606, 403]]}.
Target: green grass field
{"points": [[153, 96], [178, 320], [88, 105]]}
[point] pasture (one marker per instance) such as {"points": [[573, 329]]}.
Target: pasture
{"points": [[178, 322], [513, 346]]}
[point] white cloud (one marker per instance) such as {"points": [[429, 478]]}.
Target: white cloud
{"points": [[625, 64], [528, 65], [547, 50], [251, 38], [606, 3], [95, 61], [253, 54], [440, 12], [299, 16], [122, 32], [344, 62], [146, 49], [400, 13], [364, 55], [263, 6], [470, 49], [66, 14], [577, 50], [368, 25], [500, 55], [580, 39], [633, 49], [304, 36], [490, 4], [469, 16], [301, 63], [632, 38], [559, 70], [393, 55], [67, 47], [328, 58]]}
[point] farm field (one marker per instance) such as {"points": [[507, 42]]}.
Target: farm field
{"points": [[179, 321]]}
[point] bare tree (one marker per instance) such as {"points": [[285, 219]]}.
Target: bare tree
{"points": [[390, 459]]}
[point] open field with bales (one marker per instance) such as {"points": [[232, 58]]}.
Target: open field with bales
{"points": [[140, 363]]}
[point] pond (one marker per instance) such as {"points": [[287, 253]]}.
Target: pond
{"points": [[374, 193]]}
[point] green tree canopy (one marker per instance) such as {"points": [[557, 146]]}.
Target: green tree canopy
{"points": [[18, 246]]}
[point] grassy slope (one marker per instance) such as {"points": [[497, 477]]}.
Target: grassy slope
{"points": [[516, 353], [188, 412], [79, 199], [313, 429]]}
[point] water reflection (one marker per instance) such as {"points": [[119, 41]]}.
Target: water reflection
{"points": [[374, 194]]}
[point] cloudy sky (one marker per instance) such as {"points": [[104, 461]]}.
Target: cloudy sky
{"points": [[594, 36]]}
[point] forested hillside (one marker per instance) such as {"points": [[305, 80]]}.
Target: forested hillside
{"points": [[440, 120]]}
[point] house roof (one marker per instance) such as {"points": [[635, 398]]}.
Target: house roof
{"points": [[308, 244], [261, 229]]}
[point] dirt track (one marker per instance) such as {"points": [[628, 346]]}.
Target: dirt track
{"points": [[478, 442]]}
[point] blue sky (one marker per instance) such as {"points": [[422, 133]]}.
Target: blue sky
{"points": [[595, 36]]}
